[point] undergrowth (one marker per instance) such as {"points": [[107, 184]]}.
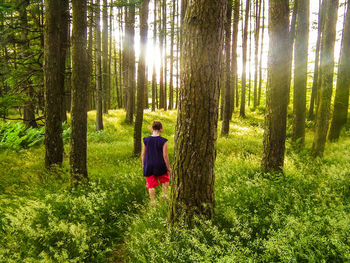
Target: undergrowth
{"points": [[301, 216]]}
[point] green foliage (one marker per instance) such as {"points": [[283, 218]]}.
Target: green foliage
{"points": [[301, 216], [16, 136], [9, 101]]}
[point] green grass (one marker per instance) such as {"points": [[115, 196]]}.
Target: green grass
{"points": [[302, 216]]}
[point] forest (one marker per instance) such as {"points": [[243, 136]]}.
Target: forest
{"points": [[250, 99]]}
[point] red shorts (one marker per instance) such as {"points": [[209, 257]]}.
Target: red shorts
{"points": [[153, 181]]}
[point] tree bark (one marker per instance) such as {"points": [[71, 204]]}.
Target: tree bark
{"points": [[54, 62], [105, 76], [277, 90], [192, 190], [227, 79], [171, 81], [234, 53], [244, 57], [327, 69], [300, 72], [99, 94], [315, 83], [80, 87], [141, 77], [130, 33], [154, 74], [341, 101], [256, 57], [261, 53]]}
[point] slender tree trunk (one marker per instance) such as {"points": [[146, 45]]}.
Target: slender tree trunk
{"points": [[256, 43], [261, 53], [315, 83], [99, 93], [105, 77], [192, 190], [234, 53], [250, 55], [165, 55], [80, 84], [227, 80], [121, 59], [341, 101], [277, 90], [161, 40], [53, 80], [130, 32], [154, 74], [171, 81], [64, 47], [90, 54], [244, 73], [141, 77], [300, 71], [29, 107], [327, 69]]}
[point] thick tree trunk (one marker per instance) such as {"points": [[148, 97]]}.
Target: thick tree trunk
{"points": [[244, 57], [341, 101], [227, 79], [141, 77], [54, 80], [300, 71], [192, 190], [277, 90], [327, 69], [80, 87], [99, 94]]}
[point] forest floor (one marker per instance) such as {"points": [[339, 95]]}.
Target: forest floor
{"points": [[301, 216]]}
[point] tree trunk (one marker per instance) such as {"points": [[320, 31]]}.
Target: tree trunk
{"points": [[227, 79], [165, 56], [90, 55], [154, 74], [315, 83], [130, 33], [99, 94], [327, 69], [234, 53], [54, 80], [192, 190], [64, 47], [256, 57], [261, 53], [300, 72], [171, 81], [161, 44], [80, 87], [244, 47], [105, 77], [141, 70], [29, 107], [341, 101], [277, 90]]}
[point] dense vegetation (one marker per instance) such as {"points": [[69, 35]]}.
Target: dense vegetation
{"points": [[302, 216]]}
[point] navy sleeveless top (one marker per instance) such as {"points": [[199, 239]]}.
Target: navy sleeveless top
{"points": [[154, 163]]}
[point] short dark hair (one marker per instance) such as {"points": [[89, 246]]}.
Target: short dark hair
{"points": [[157, 125]]}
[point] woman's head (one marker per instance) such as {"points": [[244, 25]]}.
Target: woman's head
{"points": [[157, 126]]}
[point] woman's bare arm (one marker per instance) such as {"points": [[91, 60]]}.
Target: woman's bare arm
{"points": [[166, 157], [143, 154]]}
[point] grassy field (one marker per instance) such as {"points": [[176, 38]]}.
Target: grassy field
{"points": [[302, 216]]}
